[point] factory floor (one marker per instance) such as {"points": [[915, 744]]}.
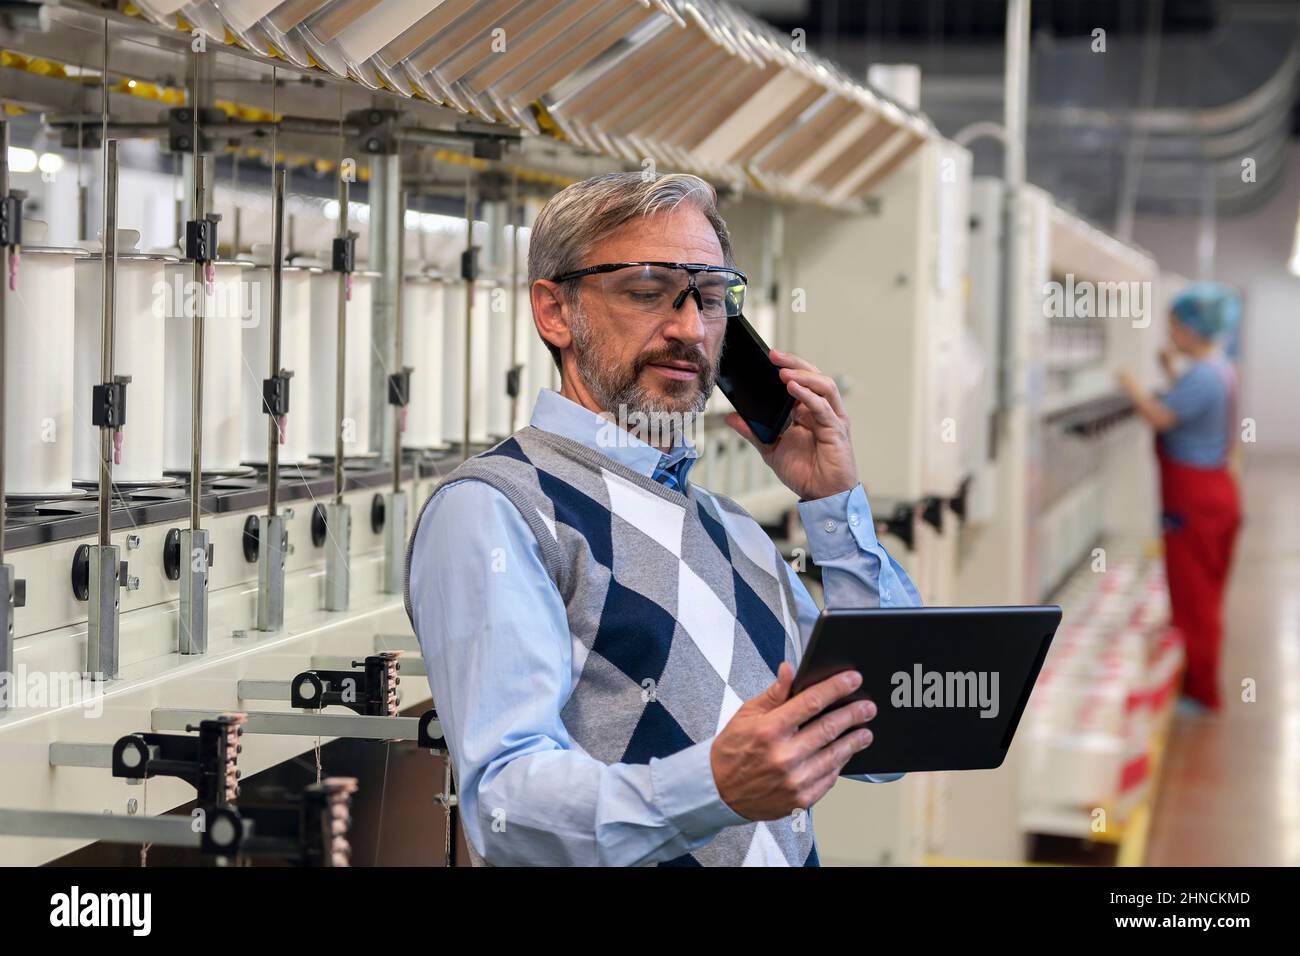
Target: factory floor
{"points": [[1230, 788]]}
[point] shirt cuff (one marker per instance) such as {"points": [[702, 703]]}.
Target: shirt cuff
{"points": [[687, 794], [838, 526]]}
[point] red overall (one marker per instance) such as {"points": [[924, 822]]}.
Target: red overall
{"points": [[1200, 520]]}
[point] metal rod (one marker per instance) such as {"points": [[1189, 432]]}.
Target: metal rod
{"points": [[159, 831], [279, 184], [516, 220], [107, 331], [1015, 112], [4, 301], [412, 666], [340, 352], [237, 237], [469, 311], [1131, 173], [103, 91], [226, 127], [1016, 78], [302, 724], [398, 319], [200, 311], [178, 202], [196, 351], [277, 307]]}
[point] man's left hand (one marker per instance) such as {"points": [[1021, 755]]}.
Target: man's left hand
{"points": [[814, 456]]}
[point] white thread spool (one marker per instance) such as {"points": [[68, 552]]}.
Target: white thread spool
{"points": [[295, 355], [453, 380], [356, 388], [422, 337], [38, 373], [500, 359], [539, 368], [224, 311], [140, 325]]}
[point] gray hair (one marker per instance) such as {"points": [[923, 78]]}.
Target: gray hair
{"points": [[584, 213]]}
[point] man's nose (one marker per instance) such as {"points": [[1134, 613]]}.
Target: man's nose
{"points": [[686, 324]]}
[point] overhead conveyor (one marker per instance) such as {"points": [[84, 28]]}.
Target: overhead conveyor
{"points": [[694, 85]]}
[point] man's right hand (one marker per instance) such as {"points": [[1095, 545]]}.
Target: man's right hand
{"points": [[766, 763]]}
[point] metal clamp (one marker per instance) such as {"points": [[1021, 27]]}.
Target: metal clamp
{"points": [[371, 690], [310, 830], [275, 394], [201, 239], [108, 403], [343, 253], [207, 761], [399, 387]]}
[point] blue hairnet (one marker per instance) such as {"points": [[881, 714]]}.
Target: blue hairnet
{"points": [[1208, 309]]}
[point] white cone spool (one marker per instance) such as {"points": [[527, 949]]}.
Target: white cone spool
{"points": [[539, 368], [422, 337], [223, 366], [295, 355], [140, 322], [500, 358], [453, 393], [356, 389], [38, 373]]}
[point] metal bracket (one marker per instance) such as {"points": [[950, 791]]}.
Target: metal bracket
{"points": [[399, 387], [377, 130], [201, 239], [514, 381], [108, 403], [338, 521], [11, 219], [180, 129], [343, 253], [105, 573], [902, 525], [195, 566], [958, 502], [207, 761], [316, 724], [395, 503], [13, 594], [932, 512], [371, 690], [275, 394], [311, 830], [273, 545]]}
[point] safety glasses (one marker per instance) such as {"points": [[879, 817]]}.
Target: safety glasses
{"points": [[658, 289]]}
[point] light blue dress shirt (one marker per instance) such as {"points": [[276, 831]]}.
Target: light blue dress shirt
{"points": [[496, 643]]}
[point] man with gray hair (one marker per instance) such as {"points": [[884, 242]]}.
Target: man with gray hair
{"points": [[611, 647]]}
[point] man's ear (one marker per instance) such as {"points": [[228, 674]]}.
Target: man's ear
{"points": [[550, 313]]}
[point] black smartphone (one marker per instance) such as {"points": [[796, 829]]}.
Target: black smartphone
{"points": [[752, 383]]}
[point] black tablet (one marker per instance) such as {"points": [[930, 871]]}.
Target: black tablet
{"points": [[949, 683]]}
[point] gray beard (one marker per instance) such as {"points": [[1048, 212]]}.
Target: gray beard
{"points": [[619, 390]]}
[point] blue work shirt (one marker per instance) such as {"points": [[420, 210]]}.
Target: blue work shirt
{"points": [[1202, 401], [498, 650]]}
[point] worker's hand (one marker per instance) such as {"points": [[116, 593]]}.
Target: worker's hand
{"points": [[814, 457], [1128, 382], [1167, 356], [767, 764]]}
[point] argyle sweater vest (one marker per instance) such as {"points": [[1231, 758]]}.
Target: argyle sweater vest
{"points": [[679, 608]]}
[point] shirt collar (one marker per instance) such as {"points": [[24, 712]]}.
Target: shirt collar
{"points": [[561, 416]]}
